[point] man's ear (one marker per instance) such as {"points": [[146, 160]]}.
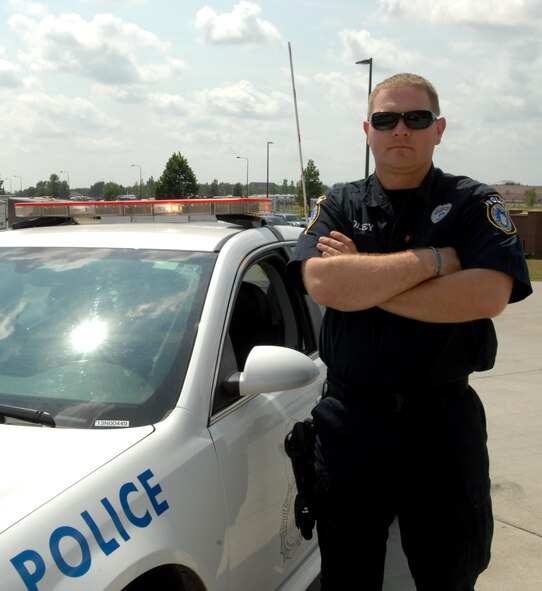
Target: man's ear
{"points": [[441, 126], [366, 125]]}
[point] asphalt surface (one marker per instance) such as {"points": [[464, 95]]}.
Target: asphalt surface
{"points": [[512, 396]]}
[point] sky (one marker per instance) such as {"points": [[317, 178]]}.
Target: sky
{"points": [[109, 90]]}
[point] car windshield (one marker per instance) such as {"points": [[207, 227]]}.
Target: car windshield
{"points": [[98, 337]]}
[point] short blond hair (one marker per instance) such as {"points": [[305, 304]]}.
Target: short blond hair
{"points": [[402, 80]]}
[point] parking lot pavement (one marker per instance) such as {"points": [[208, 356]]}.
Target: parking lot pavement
{"points": [[512, 396]]}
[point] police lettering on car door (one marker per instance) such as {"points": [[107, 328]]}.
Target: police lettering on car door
{"points": [[31, 564]]}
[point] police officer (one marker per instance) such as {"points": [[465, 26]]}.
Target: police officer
{"points": [[411, 264]]}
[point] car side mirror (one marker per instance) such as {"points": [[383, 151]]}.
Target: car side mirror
{"points": [[272, 369]]}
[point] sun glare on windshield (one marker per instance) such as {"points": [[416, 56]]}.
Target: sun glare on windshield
{"points": [[88, 336]]}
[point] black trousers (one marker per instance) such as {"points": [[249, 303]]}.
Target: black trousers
{"points": [[428, 466]]}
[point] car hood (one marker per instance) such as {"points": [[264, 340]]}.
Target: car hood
{"points": [[39, 463]]}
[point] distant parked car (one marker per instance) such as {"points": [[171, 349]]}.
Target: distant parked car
{"points": [[273, 220], [292, 220]]}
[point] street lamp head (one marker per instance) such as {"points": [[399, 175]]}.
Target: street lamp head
{"points": [[140, 176], [366, 62]]}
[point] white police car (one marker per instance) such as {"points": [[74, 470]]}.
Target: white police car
{"points": [[149, 373]]}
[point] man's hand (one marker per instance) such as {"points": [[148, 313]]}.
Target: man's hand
{"points": [[335, 244]]}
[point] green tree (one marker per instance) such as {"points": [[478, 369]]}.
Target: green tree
{"points": [[54, 186], [97, 190], [283, 189], [149, 190], [2, 192], [225, 189], [42, 189], [84, 191], [178, 181], [237, 190], [213, 189], [530, 197], [112, 191], [313, 185]]}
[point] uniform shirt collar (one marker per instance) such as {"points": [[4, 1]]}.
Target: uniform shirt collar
{"points": [[377, 196]]}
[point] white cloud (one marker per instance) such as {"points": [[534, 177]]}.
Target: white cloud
{"points": [[30, 8], [10, 74], [241, 26], [123, 94], [243, 99], [389, 54], [45, 128], [170, 104], [105, 49], [344, 93], [57, 115], [157, 72], [125, 3], [482, 13]]}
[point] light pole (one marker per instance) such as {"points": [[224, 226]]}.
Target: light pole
{"points": [[68, 176], [244, 158], [267, 192], [367, 62], [16, 176], [140, 179]]}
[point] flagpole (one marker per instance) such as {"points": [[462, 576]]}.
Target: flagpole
{"points": [[306, 211]]}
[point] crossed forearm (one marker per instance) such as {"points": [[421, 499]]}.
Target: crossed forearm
{"points": [[359, 281], [403, 283]]}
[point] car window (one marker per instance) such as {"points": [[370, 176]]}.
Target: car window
{"points": [[98, 337], [267, 311]]}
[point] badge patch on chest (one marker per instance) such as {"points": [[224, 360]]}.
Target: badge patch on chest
{"points": [[498, 214], [440, 212]]}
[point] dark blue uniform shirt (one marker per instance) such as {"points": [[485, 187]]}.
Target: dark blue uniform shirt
{"points": [[376, 348]]}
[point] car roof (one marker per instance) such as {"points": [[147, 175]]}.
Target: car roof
{"points": [[186, 236], [190, 236]]}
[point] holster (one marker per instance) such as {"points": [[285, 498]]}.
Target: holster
{"points": [[299, 446]]}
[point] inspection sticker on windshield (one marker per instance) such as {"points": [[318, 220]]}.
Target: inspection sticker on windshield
{"points": [[111, 423]]}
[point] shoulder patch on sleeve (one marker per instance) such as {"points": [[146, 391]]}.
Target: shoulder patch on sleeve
{"points": [[315, 212], [498, 214]]}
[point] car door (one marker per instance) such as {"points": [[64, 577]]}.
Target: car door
{"points": [[265, 547]]}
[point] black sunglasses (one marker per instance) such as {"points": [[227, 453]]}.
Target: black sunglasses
{"points": [[413, 119]]}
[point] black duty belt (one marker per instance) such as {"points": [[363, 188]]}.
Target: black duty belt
{"points": [[395, 399]]}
